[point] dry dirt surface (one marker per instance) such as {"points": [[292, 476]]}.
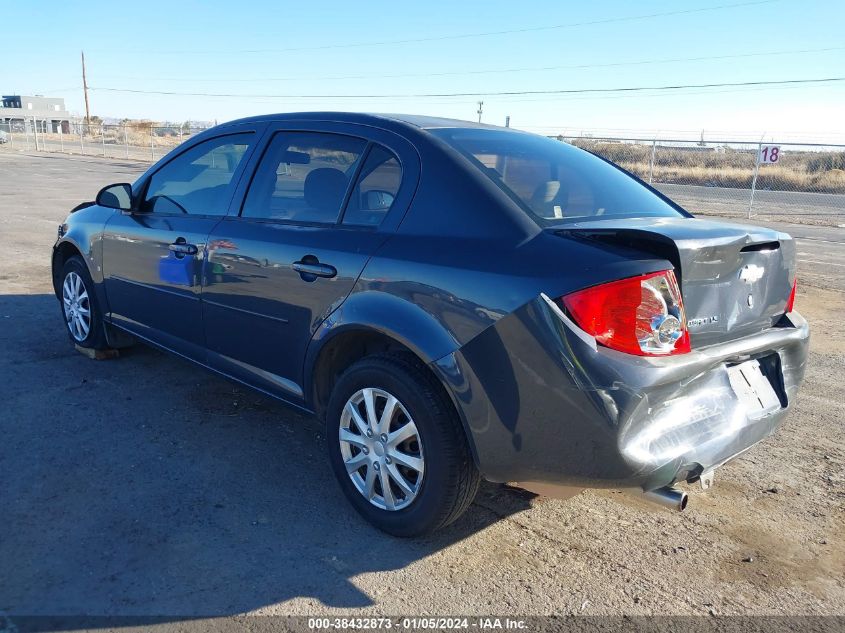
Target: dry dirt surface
{"points": [[146, 486]]}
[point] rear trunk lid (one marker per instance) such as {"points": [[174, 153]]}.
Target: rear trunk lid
{"points": [[735, 279]]}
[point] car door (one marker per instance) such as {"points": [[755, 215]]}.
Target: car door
{"points": [[321, 201], [152, 257]]}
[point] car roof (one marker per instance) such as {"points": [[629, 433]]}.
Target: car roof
{"points": [[418, 121]]}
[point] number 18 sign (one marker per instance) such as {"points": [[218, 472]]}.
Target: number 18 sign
{"points": [[769, 154]]}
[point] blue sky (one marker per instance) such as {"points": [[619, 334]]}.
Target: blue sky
{"points": [[321, 48]]}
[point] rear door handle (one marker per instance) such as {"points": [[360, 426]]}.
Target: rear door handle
{"points": [[314, 268]]}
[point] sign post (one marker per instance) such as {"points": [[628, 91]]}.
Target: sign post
{"points": [[766, 155]]}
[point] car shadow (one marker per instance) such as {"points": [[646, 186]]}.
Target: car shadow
{"points": [[147, 486]]}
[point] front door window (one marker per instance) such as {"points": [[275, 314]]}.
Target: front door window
{"points": [[199, 181]]}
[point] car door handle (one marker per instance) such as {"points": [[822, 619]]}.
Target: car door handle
{"points": [[181, 248], [315, 269]]}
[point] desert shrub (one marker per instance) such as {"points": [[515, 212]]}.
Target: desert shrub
{"points": [[728, 167], [826, 162]]}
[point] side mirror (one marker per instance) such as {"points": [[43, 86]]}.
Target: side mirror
{"points": [[117, 196], [376, 200]]}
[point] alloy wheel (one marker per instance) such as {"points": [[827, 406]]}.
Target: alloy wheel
{"points": [[381, 449], [77, 306]]}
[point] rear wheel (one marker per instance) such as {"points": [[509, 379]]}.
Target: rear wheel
{"points": [[80, 309], [397, 447]]}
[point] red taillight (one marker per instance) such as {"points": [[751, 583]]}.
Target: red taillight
{"points": [[790, 303], [640, 315]]}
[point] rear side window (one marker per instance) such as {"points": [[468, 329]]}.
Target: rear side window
{"points": [[552, 181], [303, 177], [376, 189], [199, 181]]}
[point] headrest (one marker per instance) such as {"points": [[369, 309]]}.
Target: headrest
{"points": [[324, 189], [550, 199], [546, 192]]}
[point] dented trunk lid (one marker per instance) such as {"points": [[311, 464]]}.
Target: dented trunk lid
{"points": [[735, 279]]}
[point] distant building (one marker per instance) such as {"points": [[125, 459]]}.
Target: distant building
{"points": [[46, 114]]}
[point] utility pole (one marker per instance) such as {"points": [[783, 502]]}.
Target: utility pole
{"points": [[480, 108], [85, 91]]}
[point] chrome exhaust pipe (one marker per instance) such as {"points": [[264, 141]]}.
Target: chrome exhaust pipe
{"points": [[668, 497]]}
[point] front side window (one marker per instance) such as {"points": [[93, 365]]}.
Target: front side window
{"points": [[376, 189], [552, 181], [199, 181], [303, 177]]}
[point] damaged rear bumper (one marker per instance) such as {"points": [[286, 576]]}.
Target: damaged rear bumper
{"points": [[542, 403]]}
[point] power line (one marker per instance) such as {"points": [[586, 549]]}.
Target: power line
{"points": [[44, 91], [460, 36], [645, 95], [504, 93], [489, 71]]}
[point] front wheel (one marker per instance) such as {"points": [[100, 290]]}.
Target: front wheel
{"points": [[80, 309], [397, 447]]}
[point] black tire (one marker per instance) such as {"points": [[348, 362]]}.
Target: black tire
{"points": [[95, 337], [451, 479]]}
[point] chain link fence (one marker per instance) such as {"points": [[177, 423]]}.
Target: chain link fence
{"points": [[738, 179], [804, 183], [133, 141]]}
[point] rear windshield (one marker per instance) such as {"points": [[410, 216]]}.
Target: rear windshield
{"points": [[553, 181]]}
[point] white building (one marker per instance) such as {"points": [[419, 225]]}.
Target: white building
{"points": [[45, 114]]}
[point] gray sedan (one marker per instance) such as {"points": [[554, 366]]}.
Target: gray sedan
{"points": [[455, 301]]}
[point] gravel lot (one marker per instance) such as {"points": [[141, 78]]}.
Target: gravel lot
{"points": [[146, 486]]}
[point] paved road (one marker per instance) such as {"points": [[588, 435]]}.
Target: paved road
{"points": [[93, 147], [146, 486], [821, 256], [820, 252], [768, 204]]}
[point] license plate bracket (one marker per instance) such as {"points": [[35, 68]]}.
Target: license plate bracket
{"points": [[753, 389]]}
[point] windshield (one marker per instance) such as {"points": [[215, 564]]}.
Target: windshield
{"points": [[553, 181]]}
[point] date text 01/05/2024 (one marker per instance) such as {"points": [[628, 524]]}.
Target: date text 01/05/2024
{"points": [[417, 623]]}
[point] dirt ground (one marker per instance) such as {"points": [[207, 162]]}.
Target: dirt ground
{"points": [[146, 486]]}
